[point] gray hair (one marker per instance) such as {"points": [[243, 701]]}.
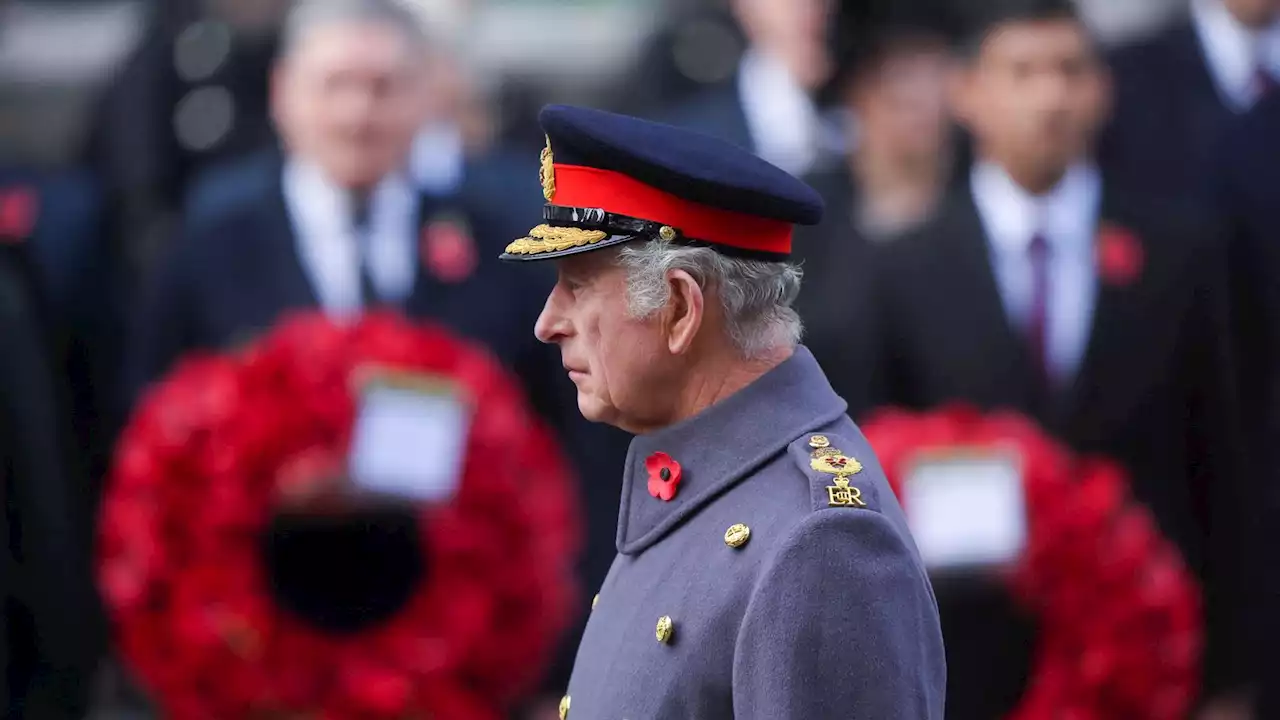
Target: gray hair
{"points": [[756, 295], [308, 15]]}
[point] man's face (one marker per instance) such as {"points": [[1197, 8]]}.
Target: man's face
{"points": [[795, 31], [349, 97], [617, 362], [1254, 13], [1035, 94], [901, 104]]}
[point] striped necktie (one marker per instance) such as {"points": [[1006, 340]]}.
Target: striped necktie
{"points": [[361, 227], [1038, 252]]}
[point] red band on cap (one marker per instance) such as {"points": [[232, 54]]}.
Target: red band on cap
{"points": [[578, 186]]}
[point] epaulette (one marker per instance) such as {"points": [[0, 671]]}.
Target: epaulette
{"points": [[837, 479]]}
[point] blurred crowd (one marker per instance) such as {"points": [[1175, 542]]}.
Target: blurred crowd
{"points": [[1071, 210]]}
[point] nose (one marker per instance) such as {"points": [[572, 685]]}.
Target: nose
{"points": [[552, 326]]}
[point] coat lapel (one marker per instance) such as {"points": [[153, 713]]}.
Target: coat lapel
{"points": [[1111, 327], [972, 292], [1200, 89], [281, 266]]}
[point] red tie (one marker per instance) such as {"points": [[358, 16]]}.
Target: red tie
{"points": [[1038, 318], [1264, 81]]}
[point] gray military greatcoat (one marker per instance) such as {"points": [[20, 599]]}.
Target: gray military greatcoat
{"points": [[779, 583]]}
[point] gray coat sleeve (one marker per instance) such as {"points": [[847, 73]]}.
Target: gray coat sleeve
{"points": [[842, 625]]}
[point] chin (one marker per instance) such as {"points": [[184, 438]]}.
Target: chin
{"points": [[356, 172], [593, 409]]}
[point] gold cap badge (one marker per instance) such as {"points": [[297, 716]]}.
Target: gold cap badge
{"points": [[547, 173]]}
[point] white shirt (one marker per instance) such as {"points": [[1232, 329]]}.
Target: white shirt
{"points": [[1234, 51], [781, 117], [1067, 218], [436, 160], [327, 245]]}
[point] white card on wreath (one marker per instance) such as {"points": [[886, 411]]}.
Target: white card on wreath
{"points": [[966, 509], [409, 440]]}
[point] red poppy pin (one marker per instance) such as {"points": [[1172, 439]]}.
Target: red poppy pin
{"points": [[664, 476], [1119, 255], [448, 250], [18, 207]]}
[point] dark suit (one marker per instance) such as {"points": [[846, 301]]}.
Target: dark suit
{"points": [[833, 255], [1168, 117], [75, 264], [1154, 391], [1249, 198], [49, 632]]}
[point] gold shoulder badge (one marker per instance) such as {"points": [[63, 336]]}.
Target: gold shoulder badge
{"points": [[547, 173], [830, 460]]}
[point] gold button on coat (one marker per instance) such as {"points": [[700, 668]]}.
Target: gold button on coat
{"points": [[737, 535], [819, 441], [595, 600], [564, 707], [666, 629]]}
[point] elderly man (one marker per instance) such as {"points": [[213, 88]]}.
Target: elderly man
{"points": [[765, 569]]}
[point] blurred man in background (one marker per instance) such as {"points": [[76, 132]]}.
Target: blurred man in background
{"points": [[342, 226], [1178, 93], [890, 79], [767, 106], [1042, 288]]}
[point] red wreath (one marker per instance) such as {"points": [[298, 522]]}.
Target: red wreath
{"points": [[1119, 613], [209, 455]]}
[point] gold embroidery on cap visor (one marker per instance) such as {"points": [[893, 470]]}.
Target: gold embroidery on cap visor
{"points": [[547, 173], [549, 238]]}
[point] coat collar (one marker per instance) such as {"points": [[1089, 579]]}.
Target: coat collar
{"points": [[723, 444]]}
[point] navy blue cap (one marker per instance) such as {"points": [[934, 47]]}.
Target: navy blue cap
{"points": [[611, 178]]}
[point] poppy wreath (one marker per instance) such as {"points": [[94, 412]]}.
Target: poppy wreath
{"points": [[208, 457], [1119, 614]]}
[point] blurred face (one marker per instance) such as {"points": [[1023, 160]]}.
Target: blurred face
{"points": [[618, 363], [1254, 13], [794, 31], [349, 97], [1033, 97], [901, 104]]}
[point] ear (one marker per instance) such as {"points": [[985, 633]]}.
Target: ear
{"points": [[684, 313], [1106, 94], [960, 92], [276, 90]]}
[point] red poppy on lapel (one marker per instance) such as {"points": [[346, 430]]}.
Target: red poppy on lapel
{"points": [[1119, 255], [18, 208], [447, 249], [664, 476]]}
